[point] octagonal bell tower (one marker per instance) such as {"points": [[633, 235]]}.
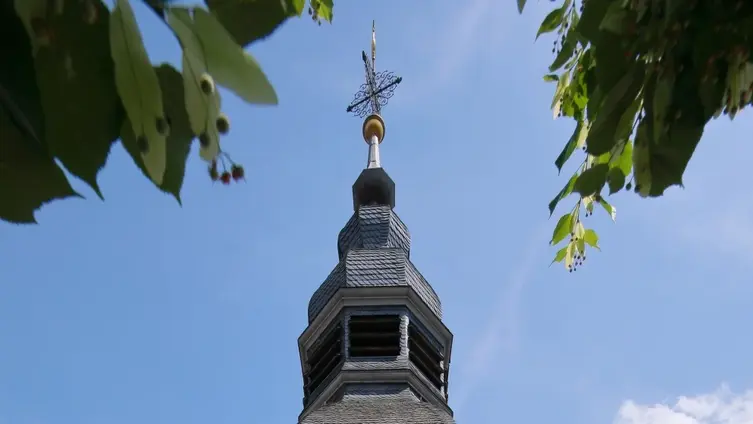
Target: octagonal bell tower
{"points": [[375, 349]]}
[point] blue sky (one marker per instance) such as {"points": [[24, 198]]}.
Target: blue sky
{"points": [[135, 310]]}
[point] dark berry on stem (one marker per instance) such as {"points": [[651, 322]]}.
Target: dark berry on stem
{"points": [[213, 174], [223, 124], [162, 126], [204, 140], [206, 84], [225, 178], [237, 172], [142, 144]]}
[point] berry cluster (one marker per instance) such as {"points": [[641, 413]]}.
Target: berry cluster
{"points": [[578, 260], [314, 12], [233, 172]]}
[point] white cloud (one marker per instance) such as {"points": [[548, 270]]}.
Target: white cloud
{"points": [[720, 407]]}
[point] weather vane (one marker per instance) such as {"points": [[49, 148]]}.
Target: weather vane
{"points": [[379, 86]]}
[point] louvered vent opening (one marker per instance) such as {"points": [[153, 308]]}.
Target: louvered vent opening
{"points": [[323, 357], [425, 356], [374, 335]]}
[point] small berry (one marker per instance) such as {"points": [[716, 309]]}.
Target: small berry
{"points": [[225, 178], [237, 172], [204, 140], [223, 124], [213, 174], [629, 186], [163, 128], [142, 144], [206, 83]]}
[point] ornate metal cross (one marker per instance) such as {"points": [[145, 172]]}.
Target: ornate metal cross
{"points": [[379, 86]]}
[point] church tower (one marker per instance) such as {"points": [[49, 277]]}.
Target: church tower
{"points": [[375, 350]]}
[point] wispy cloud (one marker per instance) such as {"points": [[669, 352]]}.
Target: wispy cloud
{"points": [[458, 40], [719, 407], [499, 338], [449, 42]]}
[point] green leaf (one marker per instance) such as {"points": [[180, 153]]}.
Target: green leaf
{"points": [[588, 26], [202, 108], [594, 101], [710, 95], [601, 159], [179, 140], [83, 113], [250, 21], [625, 126], [615, 179], [642, 160], [228, 64], [551, 78], [570, 255], [568, 48], [562, 229], [298, 6], [577, 139], [611, 210], [592, 179], [28, 178], [324, 9], [671, 8], [588, 203], [614, 60], [19, 94], [591, 238], [551, 21], [562, 84], [625, 161], [670, 158], [662, 98], [601, 137], [566, 190], [560, 256], [614, 19], [521, 5], [138, 88]]}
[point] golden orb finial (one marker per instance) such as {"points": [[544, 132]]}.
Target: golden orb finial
{"points": [[373, 126]]}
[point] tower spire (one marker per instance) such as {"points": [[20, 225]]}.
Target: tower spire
{"points": [[375, 349], [373, 44], [368, 102]]}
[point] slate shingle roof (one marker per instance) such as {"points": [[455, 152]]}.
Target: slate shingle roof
{"points": [[374, 250], [388, 405]]}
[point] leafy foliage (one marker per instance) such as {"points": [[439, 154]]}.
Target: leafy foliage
{"points": [[641, 79], [77, 78]]}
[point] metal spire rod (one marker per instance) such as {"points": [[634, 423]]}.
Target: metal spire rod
{"points": [[373, 45], [371, 98]]}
